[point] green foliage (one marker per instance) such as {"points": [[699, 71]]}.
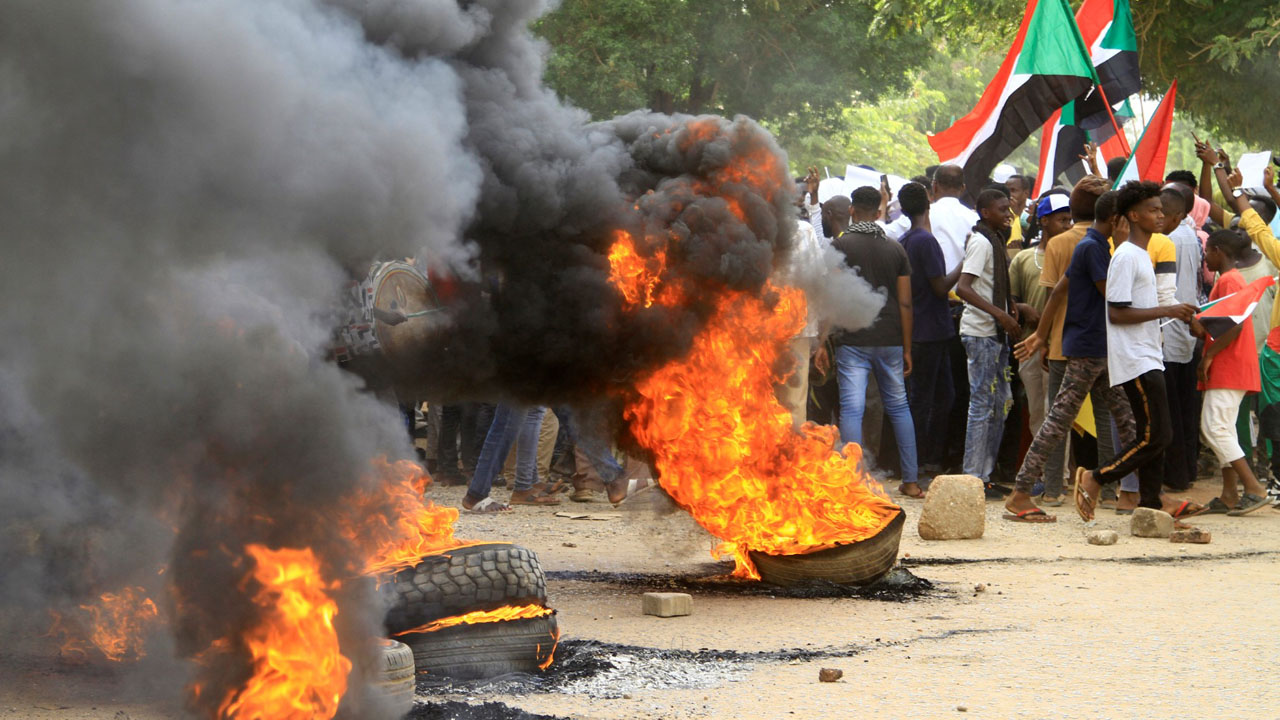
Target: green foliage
{"points": [[1225, 55], [889, 134], [802, 60]]}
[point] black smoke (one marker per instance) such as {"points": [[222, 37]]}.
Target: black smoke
{"points": [[184, 189]]}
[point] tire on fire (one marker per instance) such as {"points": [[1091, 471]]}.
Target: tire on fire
{"points": [[454, 582], [485, 650], [860, 563]]}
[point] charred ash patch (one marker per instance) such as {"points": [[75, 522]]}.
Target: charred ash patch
{"points": [[612, 670], [900, 585], [455, 710]]}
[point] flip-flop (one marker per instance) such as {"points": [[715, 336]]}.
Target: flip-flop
{"points": [[1249, 503], [918, 496], [1185, 509], [635, 486], [1081, 497], [487, 506], [1215, 507], [1034, 515], [535, 500]]}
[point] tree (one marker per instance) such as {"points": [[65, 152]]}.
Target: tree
{"points": [[1226, 55], [796, 63]]}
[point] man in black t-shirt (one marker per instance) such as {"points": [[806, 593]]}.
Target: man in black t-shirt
{"points": [[884, 348]]}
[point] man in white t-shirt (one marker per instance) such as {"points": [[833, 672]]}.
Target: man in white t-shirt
{"points": [[950, 220], [988, 322], [1135, 360]]}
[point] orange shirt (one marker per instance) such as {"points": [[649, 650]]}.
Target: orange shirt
{"points": [[1236, 366], [1057, 256]]}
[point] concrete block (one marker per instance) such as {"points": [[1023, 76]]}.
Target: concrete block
{"points": [[668, 604]]}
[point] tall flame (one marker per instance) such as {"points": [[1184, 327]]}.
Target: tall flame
{"points": [[298, 671], [392, 524], [724, 446]]}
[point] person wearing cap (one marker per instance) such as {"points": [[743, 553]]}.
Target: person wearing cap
{"points": [[1054, 213], [1058, 250]]}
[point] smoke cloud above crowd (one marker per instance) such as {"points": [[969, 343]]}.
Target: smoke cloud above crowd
{"points": [[184, 190]]}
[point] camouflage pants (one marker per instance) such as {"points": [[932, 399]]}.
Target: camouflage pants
{"points": [[1083, 376]]}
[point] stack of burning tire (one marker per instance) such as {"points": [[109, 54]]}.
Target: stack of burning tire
{"points": [[474, 612]]}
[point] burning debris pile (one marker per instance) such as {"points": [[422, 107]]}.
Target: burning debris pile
{"points": [[185, 187]]}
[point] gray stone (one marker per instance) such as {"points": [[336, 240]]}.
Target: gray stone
{"points": [[1102, 537], [667, 604], [1151, 523], [954, 509]]}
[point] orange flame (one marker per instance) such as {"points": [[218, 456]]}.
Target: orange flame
{"points": [[120, 623], [724, 446], [393, 525], [509, 612], [502, 614], [298, 671]]}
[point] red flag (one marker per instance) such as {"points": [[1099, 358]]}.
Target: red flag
{"points": [[1228, 311], [1149, 155]]}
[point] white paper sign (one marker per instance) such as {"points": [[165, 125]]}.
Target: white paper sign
{"points": [[1251, 166], [832, 187]]}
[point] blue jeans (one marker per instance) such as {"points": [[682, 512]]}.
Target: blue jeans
{"points": [[509, 421], [606, 466], [853, 366], [989, 399]]}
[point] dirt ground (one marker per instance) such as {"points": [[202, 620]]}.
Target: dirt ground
{"points": [[1063, 629]]}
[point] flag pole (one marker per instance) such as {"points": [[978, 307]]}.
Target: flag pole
{"points": [[1097, 82], [1124, 142]]}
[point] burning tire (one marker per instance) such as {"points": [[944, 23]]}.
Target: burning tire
{"points": [[860, 563], [396, 682], [479, 577], [485, 650]]}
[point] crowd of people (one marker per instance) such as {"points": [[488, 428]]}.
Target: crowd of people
{"points": [[1050, 346], [1006, 316]]}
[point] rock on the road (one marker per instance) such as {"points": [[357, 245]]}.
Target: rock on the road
{"points": [[954, 509], [1102, 537], [668, 604], [1151, 523], [829, 674]]}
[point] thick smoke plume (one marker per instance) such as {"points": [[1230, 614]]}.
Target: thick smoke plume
{"points": [[184, 189]]}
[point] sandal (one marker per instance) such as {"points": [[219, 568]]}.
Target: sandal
{"points": [[1249, 503], [487, 506], [1215, 507], [534, 499], [919, 494], [634, 487], [1085, 504], [1034, 515], [1186, 508]]}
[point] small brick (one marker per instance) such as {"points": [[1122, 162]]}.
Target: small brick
{"points": [[668, 604], [1191, 535]]}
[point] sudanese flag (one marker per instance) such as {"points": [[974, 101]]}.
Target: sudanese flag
{"points": [[1228, 311], [1046, 67], [1107, 29]]}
